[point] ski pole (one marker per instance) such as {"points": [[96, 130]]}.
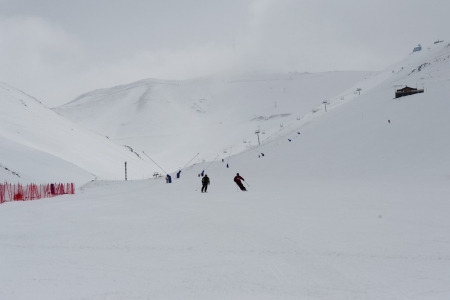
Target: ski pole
{"points": [[246, 183]]}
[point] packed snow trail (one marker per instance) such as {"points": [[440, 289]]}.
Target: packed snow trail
{"points": [[287, 239]]}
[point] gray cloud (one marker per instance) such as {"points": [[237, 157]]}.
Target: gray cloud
{"points": [[56, 50]]}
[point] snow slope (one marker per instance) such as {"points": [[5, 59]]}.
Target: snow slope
{"points": [[24, 164], [203, 116], [284, 239], [352, 208], [42, 146]]}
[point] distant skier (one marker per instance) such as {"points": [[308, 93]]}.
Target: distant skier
{"points": [[168, 179], [238, 181], [205, 183], [203, 172], [178, 174]]}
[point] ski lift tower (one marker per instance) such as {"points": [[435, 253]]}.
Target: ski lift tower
{"points": [[257, 133]]}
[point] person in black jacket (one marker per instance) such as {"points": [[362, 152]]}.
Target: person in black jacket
{"points": [[205, 183], [238, 181]]}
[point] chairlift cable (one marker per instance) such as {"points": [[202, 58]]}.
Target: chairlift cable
{"points": [[211, 163], [190, 161], [155, 162]]}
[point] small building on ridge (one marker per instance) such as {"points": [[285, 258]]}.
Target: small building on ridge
{"points": [[406, 91]]}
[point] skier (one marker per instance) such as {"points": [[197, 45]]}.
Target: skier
{"points": [[205, 183], [203, 172], [178, 174], [238, 179], [168, 179]]}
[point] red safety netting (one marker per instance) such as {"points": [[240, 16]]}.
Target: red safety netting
{"points": [[19, 192]]}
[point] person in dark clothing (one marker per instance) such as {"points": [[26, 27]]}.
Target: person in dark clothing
{"points": [[205, 183], [238, 181]]}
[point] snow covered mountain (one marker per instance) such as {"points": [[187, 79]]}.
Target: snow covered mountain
{"points": [[38, 145], [172, 121], [354, 207], [373, 136]]}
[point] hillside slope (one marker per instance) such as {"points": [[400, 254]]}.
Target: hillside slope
{"points": [[42, 146], [174, 120]]}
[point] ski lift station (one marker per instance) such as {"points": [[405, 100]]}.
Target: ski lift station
{"points": [[406, 91]]}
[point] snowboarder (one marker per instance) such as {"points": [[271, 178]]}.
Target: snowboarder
{"points": [[238, 181], [205, 183]]}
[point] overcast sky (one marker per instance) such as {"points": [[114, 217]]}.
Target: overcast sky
{"points": [[56, 50]]}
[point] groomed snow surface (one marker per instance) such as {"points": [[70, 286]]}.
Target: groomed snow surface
{"points": [[283, 239], [354, 207]]}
